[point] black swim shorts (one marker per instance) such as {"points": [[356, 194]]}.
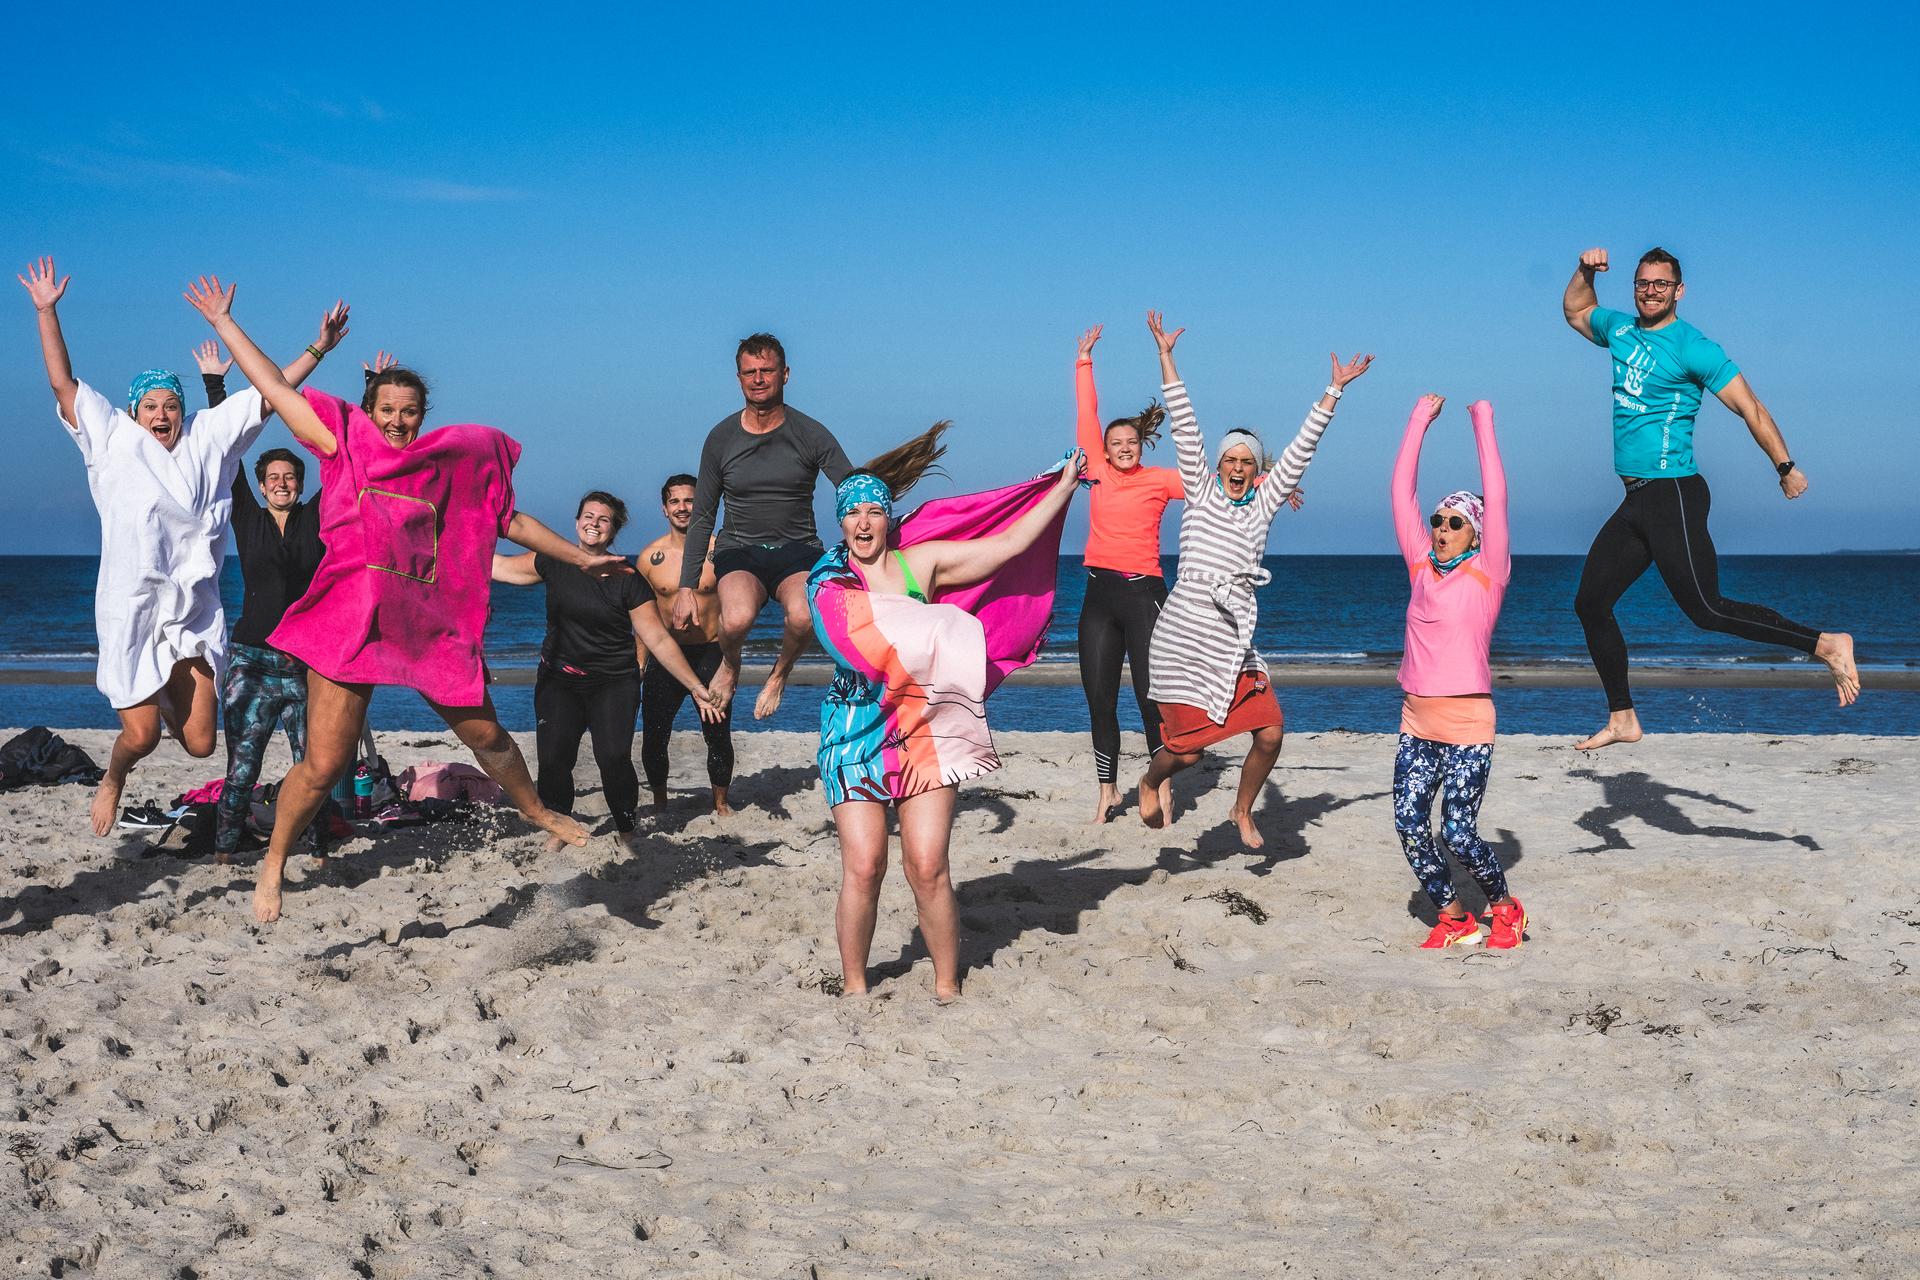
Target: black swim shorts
{"points": [[773, 565]]}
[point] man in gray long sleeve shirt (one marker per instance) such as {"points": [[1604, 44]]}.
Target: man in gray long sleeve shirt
{"points": [[764, 461]]}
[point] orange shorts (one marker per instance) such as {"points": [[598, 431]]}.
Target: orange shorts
{"points": [[1185, 730]]}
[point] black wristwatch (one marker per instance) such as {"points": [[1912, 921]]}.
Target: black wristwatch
{"points": [[1783, 467]]}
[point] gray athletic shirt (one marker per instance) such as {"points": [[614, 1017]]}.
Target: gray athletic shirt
{"points": [[767, 481]]}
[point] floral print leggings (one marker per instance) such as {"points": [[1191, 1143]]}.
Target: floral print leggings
{"points": [[1459, 773]]}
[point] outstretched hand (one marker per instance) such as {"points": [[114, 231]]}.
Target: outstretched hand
{"points": [[207, 357], [209, 299], [1160, 335], [382, 362], [605, 566], [1297, 499], [1087, 341], [1345, 373], [40, 282], [333, 327]]}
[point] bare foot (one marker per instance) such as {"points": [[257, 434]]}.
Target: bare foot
{"points": [[1108, 802], [1166, 800], [266, 892], [1836, 650], [106, 804], [1621, 726], [769, 700], [721, 809], [561, 829], [850, 989], [1152, 812], [946, 996], [1250, 836], [632, 840], [722, 685]]}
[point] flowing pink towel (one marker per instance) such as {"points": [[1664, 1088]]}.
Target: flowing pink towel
{"points": [[401, 593], [1015, 603]]}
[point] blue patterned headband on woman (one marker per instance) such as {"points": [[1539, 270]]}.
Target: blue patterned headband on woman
{"points": [[858, 488], [156, 380]]}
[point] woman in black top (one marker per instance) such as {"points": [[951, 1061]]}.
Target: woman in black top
{"points": [[589, 678]]}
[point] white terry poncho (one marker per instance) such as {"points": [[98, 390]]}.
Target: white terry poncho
{"points": [[163, 533]]}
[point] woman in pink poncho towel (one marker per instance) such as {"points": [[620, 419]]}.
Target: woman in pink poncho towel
{"points": [[409, 522], [922, 617]]}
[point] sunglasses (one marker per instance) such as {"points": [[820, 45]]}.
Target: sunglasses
{"points": [[1455, 523]]}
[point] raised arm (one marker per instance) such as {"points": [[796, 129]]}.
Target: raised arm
{"points": [[955, 564], [653, 637], [1739, 397], [530, 533], [1189, 448], [46, 288], [216, 304], [1408, 528], [515, 571], [1283, 479], [1578, 302], [1086, 431], [1495, 548]]}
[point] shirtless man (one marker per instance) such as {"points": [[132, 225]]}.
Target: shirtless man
{"points": [[765, 461], [660, 694]]}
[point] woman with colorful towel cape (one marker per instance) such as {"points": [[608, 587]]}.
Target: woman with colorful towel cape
{"points": [[923, 618], [409, 519]]}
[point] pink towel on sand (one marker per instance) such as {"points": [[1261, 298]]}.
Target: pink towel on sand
{"points": [[401, 593], [431, 780], [1015, 603]]}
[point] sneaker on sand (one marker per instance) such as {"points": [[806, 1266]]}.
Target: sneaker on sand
{"points": [[1509, 925], [144, 817], [1464, 932]]}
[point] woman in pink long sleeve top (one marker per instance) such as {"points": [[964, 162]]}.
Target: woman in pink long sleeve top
{"points": [[1458, 565]]}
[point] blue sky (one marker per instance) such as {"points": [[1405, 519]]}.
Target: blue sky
{"points": [[566, 228]]}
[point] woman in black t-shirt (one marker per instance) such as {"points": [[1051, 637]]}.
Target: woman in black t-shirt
{"points": [[589, 680]]}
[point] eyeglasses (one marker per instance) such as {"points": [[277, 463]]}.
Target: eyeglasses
{"points": [[1455, 523], [1655, 287]]}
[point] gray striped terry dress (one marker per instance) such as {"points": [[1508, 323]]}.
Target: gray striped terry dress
{"points": [[1204, 637]]}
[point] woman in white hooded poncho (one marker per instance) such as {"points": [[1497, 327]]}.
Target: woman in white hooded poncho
{"points": [[160, 481]]}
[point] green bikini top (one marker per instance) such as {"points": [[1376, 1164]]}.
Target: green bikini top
{"points": [[913, 583]]}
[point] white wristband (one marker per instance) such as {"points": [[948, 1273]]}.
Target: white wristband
{"points": [[1334, 391]]}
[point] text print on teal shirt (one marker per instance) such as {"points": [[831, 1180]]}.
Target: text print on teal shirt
{"points": [[1658, 377]]}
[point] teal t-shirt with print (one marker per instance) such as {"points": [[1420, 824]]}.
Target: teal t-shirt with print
{"points": [[1658, 378]]}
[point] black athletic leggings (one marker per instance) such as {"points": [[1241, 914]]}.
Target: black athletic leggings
{"points": [[564, 707], [1664, 523], [660, 703], [1116, 622]]}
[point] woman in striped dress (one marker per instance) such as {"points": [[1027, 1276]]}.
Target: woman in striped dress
{"points": [[1209, 681]]}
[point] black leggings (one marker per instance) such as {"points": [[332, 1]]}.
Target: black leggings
{"points": [[1116, 622], [564, 707], [660, 703], [1664, 523]]}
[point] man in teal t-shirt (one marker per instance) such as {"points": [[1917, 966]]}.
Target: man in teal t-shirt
{"points": [[1657, 377], [1661, 364]]}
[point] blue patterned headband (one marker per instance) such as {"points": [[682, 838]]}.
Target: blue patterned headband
{"points": [[859, 488], [156, 380]]}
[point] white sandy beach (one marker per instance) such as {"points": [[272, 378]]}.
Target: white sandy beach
{"points": [[457, 1056]]}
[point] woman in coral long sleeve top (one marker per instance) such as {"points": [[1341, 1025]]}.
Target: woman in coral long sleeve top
{"points": [[1125, 585], [1458, 564]]}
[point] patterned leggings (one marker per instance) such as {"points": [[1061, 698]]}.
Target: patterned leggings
{"points": [[263, 688], [1419, 770]]}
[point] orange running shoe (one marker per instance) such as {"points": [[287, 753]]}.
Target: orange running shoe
{"points": [[1509, 925], [1464, 932]]}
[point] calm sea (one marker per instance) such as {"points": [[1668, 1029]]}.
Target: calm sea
{"points": [[1318, 609]]}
